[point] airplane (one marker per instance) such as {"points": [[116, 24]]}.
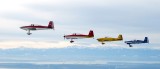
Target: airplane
{"points": [[79, 36], [37, 27], [119, 38], [137, 41]]}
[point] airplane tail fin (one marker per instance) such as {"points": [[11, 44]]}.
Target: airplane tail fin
{"points": [[120, 37], [146, 40], [91, 33], [51, 24]]}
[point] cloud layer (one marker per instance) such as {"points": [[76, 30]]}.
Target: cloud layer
{"points": [[134, 19]]}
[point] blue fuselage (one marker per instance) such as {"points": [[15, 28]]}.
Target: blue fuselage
{"points": [[135, 42]]}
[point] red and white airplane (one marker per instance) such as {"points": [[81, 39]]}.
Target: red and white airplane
{"points": [[78, 36], [37, 27]]}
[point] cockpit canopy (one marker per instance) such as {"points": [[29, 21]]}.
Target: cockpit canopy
{"points": [[35, 25]]}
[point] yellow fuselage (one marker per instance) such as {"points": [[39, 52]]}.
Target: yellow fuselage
{"points": [[108, 39]]}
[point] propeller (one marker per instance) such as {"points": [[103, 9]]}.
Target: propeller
{"points": [[64, 37]]}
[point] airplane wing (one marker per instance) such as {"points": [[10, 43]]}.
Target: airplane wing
{"points": [[71, 38], [74, 37], [29, 28]]}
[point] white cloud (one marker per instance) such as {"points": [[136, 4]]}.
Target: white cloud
{"points": [[20, 7], [33, 44], [43, 44]]}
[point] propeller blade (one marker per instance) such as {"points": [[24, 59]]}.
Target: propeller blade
{"points": [[64, 37]]}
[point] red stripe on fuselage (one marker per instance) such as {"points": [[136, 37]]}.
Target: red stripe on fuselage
{"points": [[34, 27], [76, 36]]}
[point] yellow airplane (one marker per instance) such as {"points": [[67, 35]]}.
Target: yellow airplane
{"points": [[119, 38]]}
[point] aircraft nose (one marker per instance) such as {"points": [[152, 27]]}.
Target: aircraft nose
{"points": [[21, 27], [64, 36], [98, 39]]}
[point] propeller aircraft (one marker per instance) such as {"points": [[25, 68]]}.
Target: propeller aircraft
{"points": [[34, 27], [146, 40], [105, 39], [79, 36]]}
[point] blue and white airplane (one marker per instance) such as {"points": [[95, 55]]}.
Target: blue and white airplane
{"points": [[137, 41]]}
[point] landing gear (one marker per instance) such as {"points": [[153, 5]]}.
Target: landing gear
{"points": [[71, 41], [29, 32], [103, 43], [130, 45]]}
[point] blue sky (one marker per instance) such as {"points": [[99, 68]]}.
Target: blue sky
{"points": [[134, 19]]}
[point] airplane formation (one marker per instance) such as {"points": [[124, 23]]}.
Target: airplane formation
{"points": [[34, 27]]}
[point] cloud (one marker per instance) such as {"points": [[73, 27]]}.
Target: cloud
{"points": [[105, 17], [39, 44], [125, 14], [103, 13], [33, 44]]}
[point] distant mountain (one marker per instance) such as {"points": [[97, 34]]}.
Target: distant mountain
{"points": [[78, 54]]}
